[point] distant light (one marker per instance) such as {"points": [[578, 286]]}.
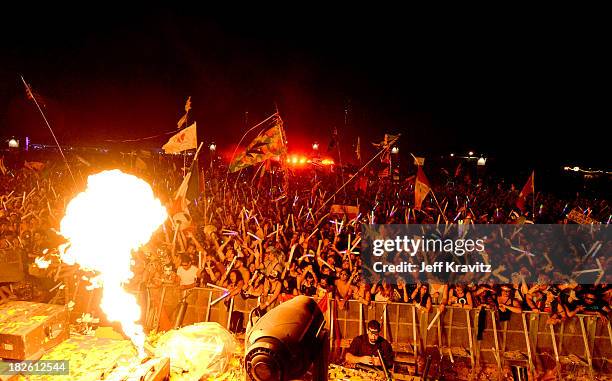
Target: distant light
{"points": [[471, 153], [315, 146], [302, 160], [13, 143], [452, 154], [327, 162], [481, 161], [212, 147], [294, 160], [576, 169], [395, 150]]}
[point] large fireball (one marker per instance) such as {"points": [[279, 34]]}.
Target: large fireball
{"points": [[116, 214]]}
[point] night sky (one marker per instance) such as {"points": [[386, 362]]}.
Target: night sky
{"points": [[113, 75]]}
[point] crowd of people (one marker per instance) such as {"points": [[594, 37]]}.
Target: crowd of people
{"points": [[266, 235]]}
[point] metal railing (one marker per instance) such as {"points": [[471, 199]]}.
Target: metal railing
{"points": [[457, 332]]}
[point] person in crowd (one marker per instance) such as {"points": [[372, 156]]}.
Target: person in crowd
{"points": [[507, 304], [343, 288], [459, 296], [307, 282], [187, 273], [421, 297]]}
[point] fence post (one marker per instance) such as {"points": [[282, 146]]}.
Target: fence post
{"points": [[360, 319], [497, 353], [527, 341], [586, 346], [554, 343], [414, 333], [159, 309], [610, 333], [208, 305], [469, 327], [384, 319], [231, 310], [450, 336]]}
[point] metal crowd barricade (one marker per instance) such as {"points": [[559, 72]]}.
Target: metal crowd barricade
{"points": [[526, 338]]}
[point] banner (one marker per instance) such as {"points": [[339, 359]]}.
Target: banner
{"points": [[578, 217], [341, 210]]}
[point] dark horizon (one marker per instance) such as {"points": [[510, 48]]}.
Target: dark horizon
{"points": [[126, 76]]}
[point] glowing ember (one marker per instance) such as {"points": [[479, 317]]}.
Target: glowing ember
{"points": [[116, 214], [42, 263]]}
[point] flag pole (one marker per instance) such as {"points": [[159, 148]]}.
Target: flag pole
{"points": [[351, 178], [533, 196], [29, 90]]}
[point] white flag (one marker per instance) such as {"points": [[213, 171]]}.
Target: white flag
{"points": [[184, 140]]}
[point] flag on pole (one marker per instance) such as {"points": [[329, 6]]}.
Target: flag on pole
{"points": [[421, 188], [184, 140], [266, 145], [33, 96], [458, 170], [419, 161], [527, 190], [358, 149], [188, 190], [386, 144], [183, 119]]}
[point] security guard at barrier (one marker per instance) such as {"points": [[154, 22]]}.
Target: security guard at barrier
{"points": [[364, 348]]}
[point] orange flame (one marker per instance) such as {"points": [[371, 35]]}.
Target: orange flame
{"points": [[116, 214]]}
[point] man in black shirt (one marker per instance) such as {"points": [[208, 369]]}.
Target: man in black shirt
{"points": [[363, 349]]}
